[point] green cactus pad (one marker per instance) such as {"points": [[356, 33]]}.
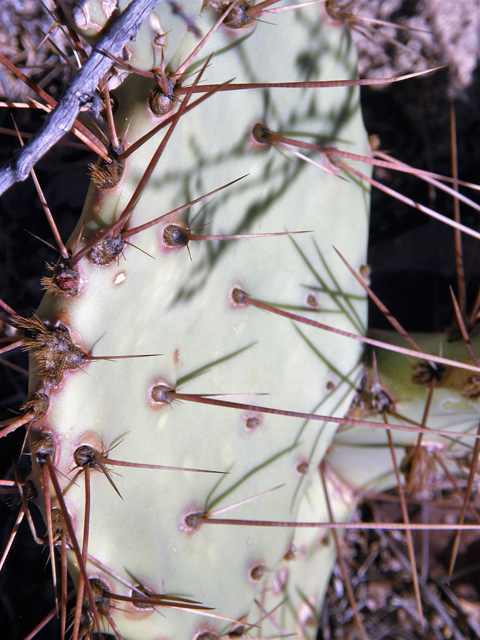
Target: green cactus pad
{"points": [[156, 299]]}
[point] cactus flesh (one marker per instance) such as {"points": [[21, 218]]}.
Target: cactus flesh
{"points": [[144, 295]]}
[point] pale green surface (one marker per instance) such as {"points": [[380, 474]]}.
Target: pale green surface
{"points": [[168, 303]]}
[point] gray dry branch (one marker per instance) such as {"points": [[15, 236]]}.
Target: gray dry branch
{"points": [[79, 93]]}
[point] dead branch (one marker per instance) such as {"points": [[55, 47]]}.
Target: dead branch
{"points": [[78, 94]]}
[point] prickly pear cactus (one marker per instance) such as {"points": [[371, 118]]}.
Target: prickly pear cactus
{"points": [[184, 316]]}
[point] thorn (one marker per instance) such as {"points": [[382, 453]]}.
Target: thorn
{"points": [[86, 524], [130, 232], [468, 490], [216, 512], [111, 124], [242, 298], [80, 130], [265, 136], [171, 395], [141, 465], [199, 238], [408, 533], [367, 526], [463, 329], [173, 78], [462, 293], [343, 567], [73, 540], [418, 446], [44, 203], [46, 620], [317, 84]]}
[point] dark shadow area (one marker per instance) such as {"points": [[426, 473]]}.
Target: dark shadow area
{"points": [[411, 255]]}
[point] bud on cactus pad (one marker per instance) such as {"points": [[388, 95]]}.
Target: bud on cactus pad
{"points": [[182, 307]]}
